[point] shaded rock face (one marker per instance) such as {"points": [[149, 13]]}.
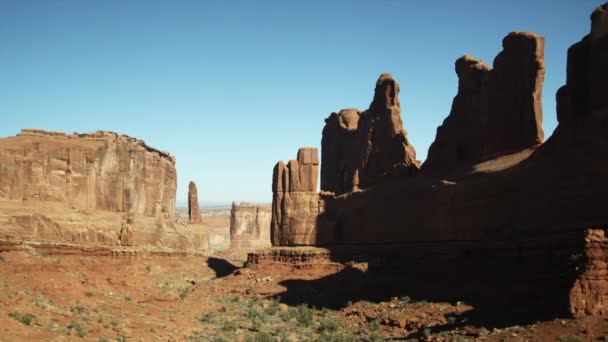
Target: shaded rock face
{"points": [[496, 111], [194, 213], [360, 149], [297, 208], [249, 226], [101, 170], [585, 95]]}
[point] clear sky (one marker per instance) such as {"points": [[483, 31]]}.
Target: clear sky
{"points": [[231, 87]]}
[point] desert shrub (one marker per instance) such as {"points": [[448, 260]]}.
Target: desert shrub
{"points": [[483, 332], [288, 315], [2, 259], [337, 337], [373, 326], [89, 294], [305, 315], [329, 325], [26, 319], [569, 339], [128, 299], [229, 326], [272, 308], [79, 309], [207, 317], [261, 337], [77, 328], [426, 332]]}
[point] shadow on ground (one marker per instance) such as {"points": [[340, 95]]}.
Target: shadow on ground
{"points": [[503, 292], [221, 267]]}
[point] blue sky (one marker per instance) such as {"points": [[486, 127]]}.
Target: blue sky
{"points": [[231, 87]]}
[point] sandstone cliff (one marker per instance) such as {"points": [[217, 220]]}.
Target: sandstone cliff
{"points": [[297, 207], [496, 111], [100, 170], [249, 226], [360, 149], [90, 189], [490, 198]]}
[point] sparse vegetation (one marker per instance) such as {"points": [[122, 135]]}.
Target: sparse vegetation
{"points": [[77, 328], [569, 339], [329, 325], [89, 294], [25, 319]]}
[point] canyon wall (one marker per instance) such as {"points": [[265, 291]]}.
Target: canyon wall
{"points": [[100, 170], [491, 196], [90, 189], [249, 226]]}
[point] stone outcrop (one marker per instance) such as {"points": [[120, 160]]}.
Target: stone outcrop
{"points": [[249, 226], [360, 149], [100, 170], [194, 213], [496, 111], [589, 295], [506, 207], [297, 207], [90, 189]]}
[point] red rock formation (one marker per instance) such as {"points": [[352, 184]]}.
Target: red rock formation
{"points": [[90, 189], [249, 226], [496, 111], [296, 206], [360, 149], [101, 170], [194, 213], [589, 295]]}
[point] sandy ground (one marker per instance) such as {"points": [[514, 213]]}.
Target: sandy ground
{"points": [[55, 295]]}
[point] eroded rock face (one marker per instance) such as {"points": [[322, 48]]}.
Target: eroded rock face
{"points": [[360, 149], [90, 189], [496, 111], [100, 170], [297, 207], [589, 295], [249, 226], [194, 213]]}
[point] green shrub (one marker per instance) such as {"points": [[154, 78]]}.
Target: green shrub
{"points": [[229, 326], [89, 294], [261, 337], [77, 328], [329, 325], [305, 315], [26, 319], [207, 317]]}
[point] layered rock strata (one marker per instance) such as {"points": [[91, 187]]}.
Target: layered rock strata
{"points": [[100, 170], [249, 226], [92, 189]]}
